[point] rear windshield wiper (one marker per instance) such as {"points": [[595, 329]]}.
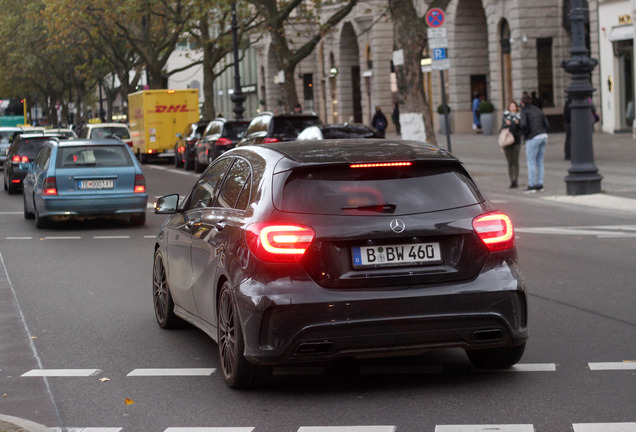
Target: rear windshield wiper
{"points": [[82, 164], [380, 208]]}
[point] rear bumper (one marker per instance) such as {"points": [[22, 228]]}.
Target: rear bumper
{"points": [[312, 323], [93, 205]]}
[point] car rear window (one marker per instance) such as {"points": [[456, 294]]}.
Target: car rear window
{"points": [[98, 156], [30, 146], [234, 130], [292, 126], [110, 132], [371, 191], [340, 132]]}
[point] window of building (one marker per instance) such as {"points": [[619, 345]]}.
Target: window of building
{"points": [[544, 71]]}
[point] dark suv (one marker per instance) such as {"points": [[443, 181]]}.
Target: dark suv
{"points": [[186, 141], [23, 150], [268, 127], [220, 136]]}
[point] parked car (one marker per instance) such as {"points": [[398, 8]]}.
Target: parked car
{"points": [[23, 149], [220, 136], [184, 148], [268, 127], [338, 131], [309, 251], [80, 179], [103, 131], [6, 137]]}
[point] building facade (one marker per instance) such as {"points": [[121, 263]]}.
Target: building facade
{"points": [[499, 48]]}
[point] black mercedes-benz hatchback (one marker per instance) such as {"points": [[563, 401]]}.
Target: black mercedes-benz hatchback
{"points": [[309, 251]]}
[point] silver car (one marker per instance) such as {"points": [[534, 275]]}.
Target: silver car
{"points": [[6, 137]]}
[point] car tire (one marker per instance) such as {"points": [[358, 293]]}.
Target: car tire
{"points": [[11, 188], [189, 163], [5, 183], [138, 219], [237, 371], [162, 299], [40, 221], [27, 213], [198, 167], [496, 358]]}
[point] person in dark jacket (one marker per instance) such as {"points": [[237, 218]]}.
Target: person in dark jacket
{"points": [[379, 121], [534, 126], [511, 120]]}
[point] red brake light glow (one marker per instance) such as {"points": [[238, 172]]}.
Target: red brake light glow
{"points": [[279, 243], [495, 230], [224, 141], [18, 159], [50, 187], [270, 140], [381, 165], [140, 184]]}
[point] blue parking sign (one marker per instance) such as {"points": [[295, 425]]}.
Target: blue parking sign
{"points": [[439, 54]]}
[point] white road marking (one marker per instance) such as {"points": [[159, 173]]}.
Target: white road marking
{"points": [[626, 365], [523, 367], [173, 372], [601, 231], [150, 237], [174, 170], [346, 429], [19, 238], [604, 427], [209, 429], [485, 428], [61, 373], [62, 238], [89, 429], [10, 213], [111, 237]]}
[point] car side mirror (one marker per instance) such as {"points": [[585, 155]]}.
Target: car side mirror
{"points": [[167, 204]]}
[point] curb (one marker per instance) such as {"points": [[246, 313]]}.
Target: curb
{"points": [[14, 424]]}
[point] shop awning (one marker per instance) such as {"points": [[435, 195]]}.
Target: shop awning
{"points": [[621, 33]]}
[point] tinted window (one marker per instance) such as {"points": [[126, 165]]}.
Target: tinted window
{"points": [[292, 126], [234, 183], [347, 132], [110, 132], [100, 156], [43, 157], [30, 146], [6, 137], [205, 190], [369, 191], [234, 130]]}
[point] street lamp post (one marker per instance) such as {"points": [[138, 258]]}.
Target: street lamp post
{"points": [[583, 177], [237, 97]]}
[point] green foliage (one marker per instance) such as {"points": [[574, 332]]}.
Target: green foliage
{"points": [[440, 109], [486, 107]]}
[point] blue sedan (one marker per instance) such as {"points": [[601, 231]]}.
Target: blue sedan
{"points": [[83, 179]]}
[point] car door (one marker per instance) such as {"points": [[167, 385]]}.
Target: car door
{"points": [[36, 176], [186, 226], [223, 231]]}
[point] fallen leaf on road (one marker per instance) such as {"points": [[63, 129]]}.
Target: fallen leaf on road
{"points": [[104, 379], [129, 401]]}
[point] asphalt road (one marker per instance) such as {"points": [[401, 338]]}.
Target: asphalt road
{"points": [[76, 300]]}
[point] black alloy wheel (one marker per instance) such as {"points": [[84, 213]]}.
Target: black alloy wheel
{"points": [[237, 371], [178, 160], [496, 358], [162, 299]]}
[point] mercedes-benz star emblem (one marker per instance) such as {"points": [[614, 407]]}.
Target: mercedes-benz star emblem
{"points": [[397, 225]]}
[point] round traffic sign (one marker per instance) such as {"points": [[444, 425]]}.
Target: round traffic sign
{"points": [[435, 17]]}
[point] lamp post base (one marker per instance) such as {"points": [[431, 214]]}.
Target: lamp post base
{"points": [[583, 184]]}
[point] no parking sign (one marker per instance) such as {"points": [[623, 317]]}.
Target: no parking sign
{"points": [[435, 17]]}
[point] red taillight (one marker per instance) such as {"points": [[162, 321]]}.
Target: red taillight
{"points": [[50, 187], [495, 230], [381, 165], [280, 243], [227, 141], [18, 159], [150, 151], [270, 140], [140, 183]]}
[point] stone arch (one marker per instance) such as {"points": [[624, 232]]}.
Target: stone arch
{"points": [[350, 105]]}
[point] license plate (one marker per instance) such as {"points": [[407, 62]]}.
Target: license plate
{"points": [[96, 184], [418, 253]]}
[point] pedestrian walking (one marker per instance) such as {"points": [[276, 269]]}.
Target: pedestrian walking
{"points": [[534, 126], [379, 121], [395, 116], [475, 108], [512, 121]]}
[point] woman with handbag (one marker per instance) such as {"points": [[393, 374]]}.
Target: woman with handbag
{"points": [[510, 147]]}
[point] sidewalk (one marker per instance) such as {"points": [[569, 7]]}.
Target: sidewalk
{"points": [[614, 156], [14, 424]]}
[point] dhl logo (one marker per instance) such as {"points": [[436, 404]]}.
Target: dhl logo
{"points": [[170, 108]]}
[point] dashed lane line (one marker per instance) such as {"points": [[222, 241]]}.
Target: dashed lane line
{"points": [[604, 427], [88, 429], [346, 429], [605, 366], [62, 373], [523, 367], [172, 372], [485, 428], [209, 429]]}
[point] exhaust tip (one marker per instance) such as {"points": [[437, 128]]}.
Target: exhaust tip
{"points": [[487, 335]]}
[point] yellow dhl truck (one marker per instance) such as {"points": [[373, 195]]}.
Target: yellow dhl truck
{"points": [[156, 116]]}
